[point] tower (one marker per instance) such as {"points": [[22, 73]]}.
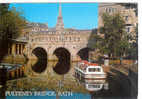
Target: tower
{"points": [[60, 24]]}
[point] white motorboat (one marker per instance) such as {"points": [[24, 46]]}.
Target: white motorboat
{"points": [[88, 72]]}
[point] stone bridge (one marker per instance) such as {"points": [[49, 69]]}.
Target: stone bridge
{"points": [[74, 43]]}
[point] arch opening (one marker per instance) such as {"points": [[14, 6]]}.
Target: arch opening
{"points": [[63, 65], [41, 63], [84, 53]]}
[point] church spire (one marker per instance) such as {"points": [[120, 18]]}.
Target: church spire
{"points": [[60, 10], [60, 24]]}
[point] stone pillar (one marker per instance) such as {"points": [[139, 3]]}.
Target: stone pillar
{"points": [[12, 74], [13, 49], [8, 50], [23, 71], [17, 48], [21, 49]]}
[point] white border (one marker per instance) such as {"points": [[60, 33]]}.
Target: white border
{"points": [[101, 1], [139, 50], [67, 1]]}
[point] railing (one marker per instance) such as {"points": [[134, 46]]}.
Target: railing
{"points": [[128, 62]]}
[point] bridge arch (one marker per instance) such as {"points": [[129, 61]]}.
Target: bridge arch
{"points": [[83, 53], [41, 63], [64, 59]]}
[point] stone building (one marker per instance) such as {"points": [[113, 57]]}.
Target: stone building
{"points": [[128, 12]]}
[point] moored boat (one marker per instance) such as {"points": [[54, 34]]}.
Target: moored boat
{"points": [[91, 75], [88, 72]]}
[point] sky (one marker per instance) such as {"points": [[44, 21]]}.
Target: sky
{"points": [[75, 15]]}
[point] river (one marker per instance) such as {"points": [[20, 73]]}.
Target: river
{"points": [[67, 86]]}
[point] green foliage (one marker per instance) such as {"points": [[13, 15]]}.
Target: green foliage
{"points": [[3, 8], [114, 41], [94, 40], [11, 23], [133, 50]]}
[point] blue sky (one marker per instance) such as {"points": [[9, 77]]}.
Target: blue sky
{"points": [[75, 15]]}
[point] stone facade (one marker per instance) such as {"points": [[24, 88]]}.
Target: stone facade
{"points": [[128, 13]]}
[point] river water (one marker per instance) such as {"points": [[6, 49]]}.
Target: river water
{"points": [[63, 85], [66, 86]]}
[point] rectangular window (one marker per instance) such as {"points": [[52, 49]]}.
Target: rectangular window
{"points": [[128, 25], [94, 69], [126, 18], [110, 9], [128, 29], [107, 10], [94, 86]]}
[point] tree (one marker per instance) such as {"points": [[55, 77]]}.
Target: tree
{"points": [[133, 51], [11, 25], [114, 41]]}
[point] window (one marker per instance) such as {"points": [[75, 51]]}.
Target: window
{"points": [[126, 18], [98, 69], [106, 9], [94, 70], [110, 10], [94, 86], [128, 29], [129, 25], [70, 39], [74, 38], [78, 38]]}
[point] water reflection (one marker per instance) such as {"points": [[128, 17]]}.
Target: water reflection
{"points": [[41, 63], [49, 79], [114, 86], [68, 81], [63, 65], [94, 85]]}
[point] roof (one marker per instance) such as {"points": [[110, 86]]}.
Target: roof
{"points": [[88, 63], [52, 29], [41, 25], [83, 64]]}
